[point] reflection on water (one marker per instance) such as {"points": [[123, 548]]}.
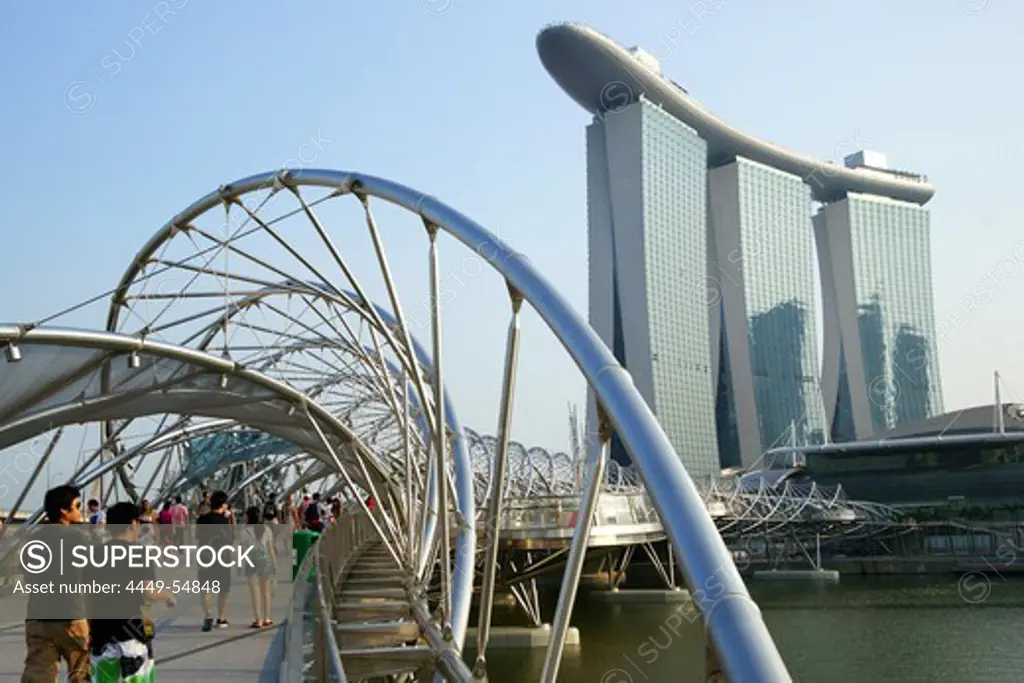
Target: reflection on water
{"points": [[874, 629]]}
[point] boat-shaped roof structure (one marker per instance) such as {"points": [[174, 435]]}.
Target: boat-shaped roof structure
{"points": [[602, 75]]}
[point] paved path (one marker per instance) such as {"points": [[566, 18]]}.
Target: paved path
{"points": [[253, 657]]}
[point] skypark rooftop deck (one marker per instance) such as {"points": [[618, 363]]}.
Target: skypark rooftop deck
{"points": [[601, 75]]}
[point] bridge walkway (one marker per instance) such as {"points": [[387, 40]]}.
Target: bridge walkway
{"points": [[376, 633], [184, 653]]}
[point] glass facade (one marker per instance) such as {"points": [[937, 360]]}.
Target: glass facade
{"points": [[656, 204], [982, 474], [777, 243], [775, 258], [893, 285], [617, 448], [653, 203], [843, 428], [674, 162]]}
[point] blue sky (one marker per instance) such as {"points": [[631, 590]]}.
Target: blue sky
{"points": [[117, 115]]}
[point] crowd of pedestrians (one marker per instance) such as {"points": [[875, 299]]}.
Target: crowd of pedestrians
{"points": [[312, 513], [109, 637], [103, 636]]}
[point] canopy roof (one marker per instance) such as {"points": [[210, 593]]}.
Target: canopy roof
{"points": [[212, 452], [55, 377]]}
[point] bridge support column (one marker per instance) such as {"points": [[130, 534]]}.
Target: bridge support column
{"points": [[492, 524], [577, 550]]}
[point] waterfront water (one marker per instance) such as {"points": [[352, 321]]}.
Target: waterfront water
{"points": [[871, 629]]}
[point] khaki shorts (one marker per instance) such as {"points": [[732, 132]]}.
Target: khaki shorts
{"points": [[48, 642]]}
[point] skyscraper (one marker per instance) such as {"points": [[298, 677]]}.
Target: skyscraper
{"points": [[880, 365], [747, 324], [646, 205], [763, 267]]}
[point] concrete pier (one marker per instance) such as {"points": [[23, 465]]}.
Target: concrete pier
{"points": [[827, 575], [523, 637], [649, 596]]}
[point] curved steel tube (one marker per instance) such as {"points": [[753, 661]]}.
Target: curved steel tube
{"points": [[70, 411], [463, 572], [733, 620]]}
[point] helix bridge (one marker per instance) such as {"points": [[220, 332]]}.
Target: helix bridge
{"points": [[262, 341]]}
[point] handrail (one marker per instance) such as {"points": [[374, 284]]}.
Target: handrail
{"points": [[291, 671], [329, 561], [328, 654], [447, 658]]}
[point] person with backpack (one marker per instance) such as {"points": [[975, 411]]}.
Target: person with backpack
{"points": [[313, 516], [264, 560], [312, 520]]}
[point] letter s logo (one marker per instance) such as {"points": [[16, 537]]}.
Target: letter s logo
{"points": [[36, 557]]}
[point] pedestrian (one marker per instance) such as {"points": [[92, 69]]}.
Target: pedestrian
{"points": [[55, 625], [272, 518], [287, 513], [179, 520], [321, 511], [122, 637], [165, 514], [269, 512], [163, 521], [213, 530], [96, 515], [336, 509], [204, 504], [146, 515], [313, 521], [147, 533], [325, 512], [264, 560], [303, 506]]}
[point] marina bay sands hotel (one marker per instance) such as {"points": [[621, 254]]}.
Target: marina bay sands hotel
{"points": [[702, 248]]}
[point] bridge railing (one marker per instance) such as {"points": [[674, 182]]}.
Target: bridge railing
{"points": [[312, 606], [323, 570]]}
